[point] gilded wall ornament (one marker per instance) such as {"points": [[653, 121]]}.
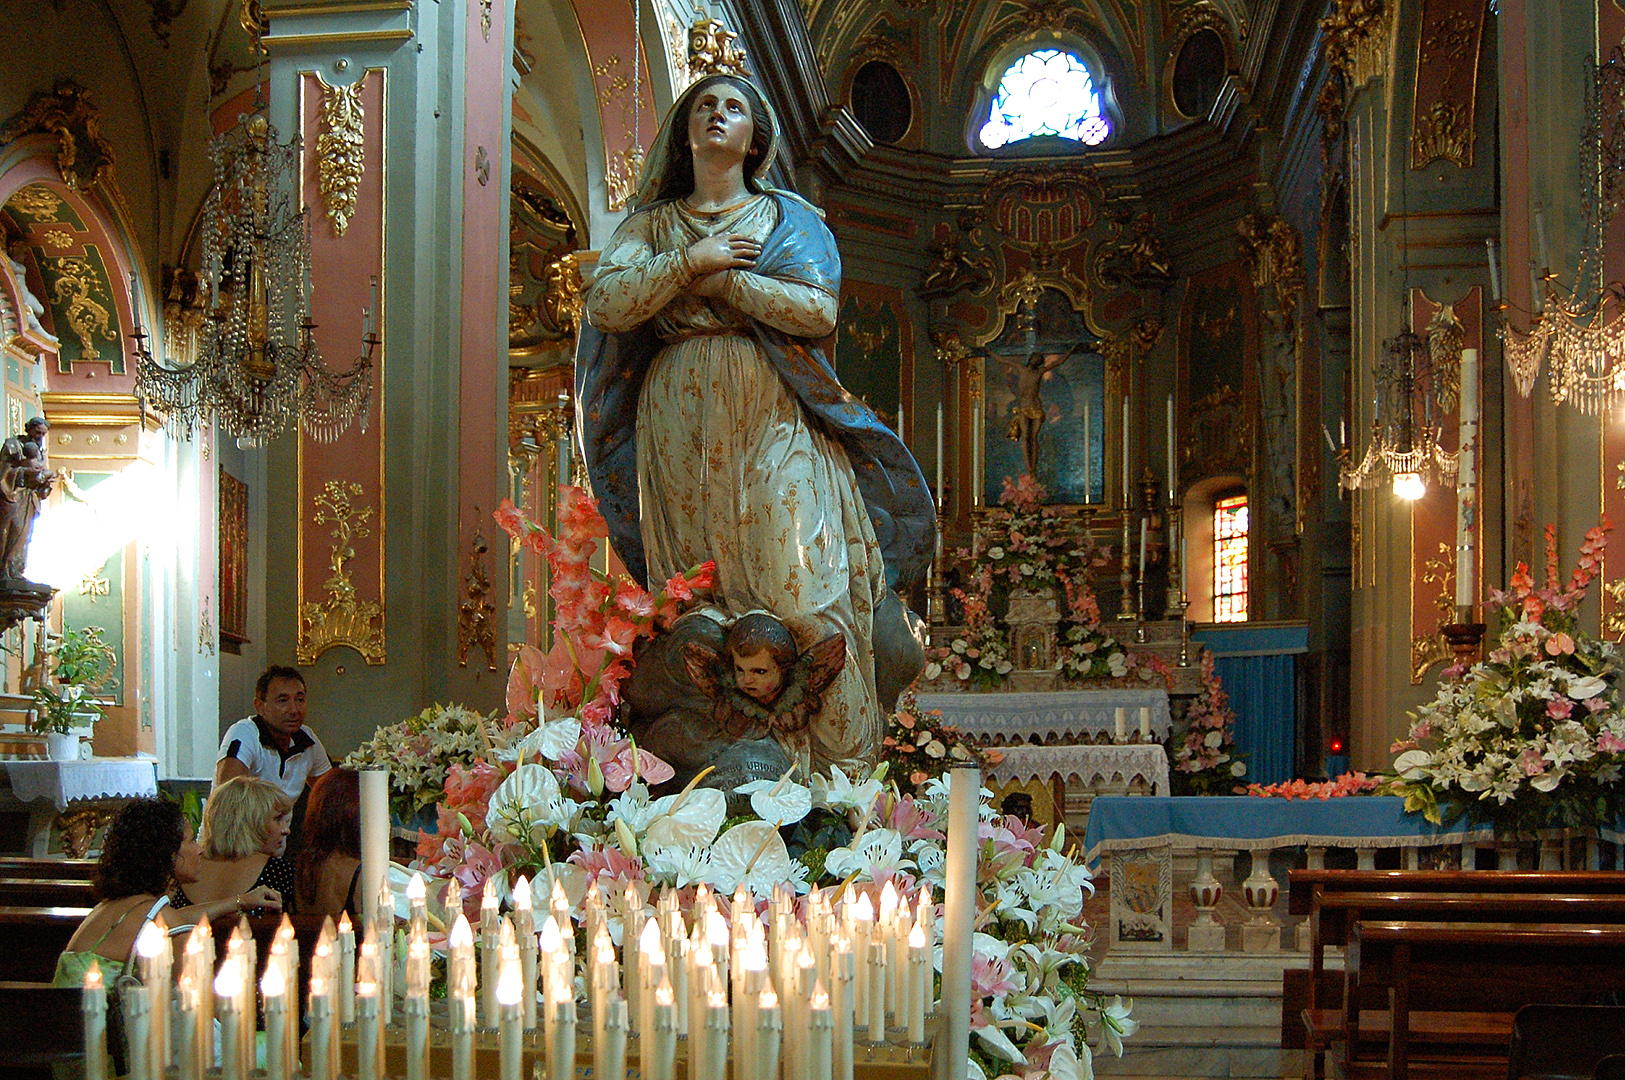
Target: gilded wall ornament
{"points": [[713, 50], [1218, 439], [340, 152], [485, 19], [1443, 131], [75, 279], [1445, 337], [1137, 259], [1357, 33], [37, 201], [342, 618], [1430, 649], [82, 156], [1274, 257], [476, 617]]}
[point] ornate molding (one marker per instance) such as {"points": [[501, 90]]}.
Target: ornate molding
{"points": [[66, 111], [74, 280], [1447, 51], [342, 618], [1431, 648], [1357, 36], [712, 50], [1274, 257], [340, 152], [476, 616]]}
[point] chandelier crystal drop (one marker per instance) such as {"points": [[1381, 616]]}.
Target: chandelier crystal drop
{"points": [[1404, 450], [257, 369]]}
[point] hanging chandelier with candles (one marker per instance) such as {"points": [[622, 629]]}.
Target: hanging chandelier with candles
{"points": [[1577, 333], [1405, 449], [257, 368]]}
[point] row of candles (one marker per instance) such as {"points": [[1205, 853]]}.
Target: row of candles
{"points": [[1120, 724], [785, 990]]}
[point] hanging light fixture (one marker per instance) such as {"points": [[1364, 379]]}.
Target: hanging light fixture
{"points": [[257, 369], [1404, 450], [1578, 333]]}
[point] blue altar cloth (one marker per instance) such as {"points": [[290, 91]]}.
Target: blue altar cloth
{"points": [[1118, 823]]}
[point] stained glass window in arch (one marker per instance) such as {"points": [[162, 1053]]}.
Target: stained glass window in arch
{"points": [[1046, 92], [1230, 559]]}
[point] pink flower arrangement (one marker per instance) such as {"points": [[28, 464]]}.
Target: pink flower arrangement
{"points": [[1353, 783], [1206, 761]]}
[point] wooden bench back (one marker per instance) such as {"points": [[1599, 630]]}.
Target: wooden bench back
{"points": [[31, 938], [44, 1024], [16, 866], [1302, 885], [1337, 911], [47, 892]]}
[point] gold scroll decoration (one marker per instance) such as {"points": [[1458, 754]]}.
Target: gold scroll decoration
{"points": [[74, 285], [339, 152], [342, 618], [476, 615], [1428, 649], [1357, 37], [66, 111], [1443, 96]]}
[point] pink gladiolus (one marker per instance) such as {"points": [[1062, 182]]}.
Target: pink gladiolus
{"points": [[511, 519], [525, 682]]}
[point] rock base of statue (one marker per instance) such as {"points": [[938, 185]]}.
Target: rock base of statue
{"points": [[22, 599]]}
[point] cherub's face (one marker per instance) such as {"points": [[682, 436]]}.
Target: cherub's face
{"points": [[759, 676]]}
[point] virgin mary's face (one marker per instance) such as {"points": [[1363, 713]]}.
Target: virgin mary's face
{"points": [[720, 120]]}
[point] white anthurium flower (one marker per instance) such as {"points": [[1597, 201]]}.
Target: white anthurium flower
{"points": [[688, 819], [552, 739], [999, 1043], [781, 801], [1411, 763], [1065, 1064], [751, 853], [874, 851], [527, 797], [973, 1071], [838, 792]]}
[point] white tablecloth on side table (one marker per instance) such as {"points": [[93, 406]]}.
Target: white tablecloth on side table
{"points": [[63, 782], [1092, 766], [1051, 716]]}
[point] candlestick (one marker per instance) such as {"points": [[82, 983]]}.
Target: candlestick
{"points": [[93, 1004], [1088, 455], [769, 1033], [226, 987], [1119, 724], [346, 970], [841, 968], [1466, 483], [959, 904], [368, 1066], [660, 1061], [1494, 257], [509, 1020], [919, 985], [1125, 452], [820, 1037], [561, 1050], [1145, 723]]}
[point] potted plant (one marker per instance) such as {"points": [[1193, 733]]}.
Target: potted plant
{"points": [[78, 665]]}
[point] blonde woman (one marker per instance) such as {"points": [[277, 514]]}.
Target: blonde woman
{"points": [[245, 832]]}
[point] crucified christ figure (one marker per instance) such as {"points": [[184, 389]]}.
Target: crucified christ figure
{"points": [[1027, 414]]}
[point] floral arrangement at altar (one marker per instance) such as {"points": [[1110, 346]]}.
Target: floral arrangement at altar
{"points": [[1532, 737], [919, 747], [1205, 760], [424, 753], [1350, 783], [1027, 547], [558, 791]]}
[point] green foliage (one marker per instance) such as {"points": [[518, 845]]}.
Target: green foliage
{"points": [[79, 665]]}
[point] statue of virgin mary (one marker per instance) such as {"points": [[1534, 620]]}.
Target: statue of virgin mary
{"points": [[713, 425]]}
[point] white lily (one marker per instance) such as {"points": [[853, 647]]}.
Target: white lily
{"points": [[869, 856], [681, 865], [839, 792], [1115, 1024], [529, 796]]}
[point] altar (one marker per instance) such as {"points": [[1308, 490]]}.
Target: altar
{"points": [[1003, 718]]}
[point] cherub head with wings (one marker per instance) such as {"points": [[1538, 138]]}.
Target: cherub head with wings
{"points": [[761, 683]]}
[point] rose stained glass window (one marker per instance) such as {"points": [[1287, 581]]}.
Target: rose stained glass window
{"points": [[1047, 92], [1230, 559]]}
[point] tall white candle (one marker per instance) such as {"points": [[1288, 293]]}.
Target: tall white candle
{"points": [[1467, 480], [1145, 722], [660, 1058], [769, 1032], [841, 969], [490, 954], [1119, 723], [1494, 257], [716, 1036], [346, 970], [902, 429], [919, 977], [274, 991], [510, 1022], [939, 457], [959, 904], [93, 1003], [151, 946], [1143, 524], [417, 1008], [863, 917], [876, 994], [1125, 452], [1173, 475], [226, 987], [561, 1051], [321, 1030], [368, 1065], [462, 1031], [820, 1036], [615, 1027], [374, 837]]}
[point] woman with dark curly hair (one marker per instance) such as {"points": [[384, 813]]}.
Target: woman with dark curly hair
{"points": [[329, 867], [148, 851]]}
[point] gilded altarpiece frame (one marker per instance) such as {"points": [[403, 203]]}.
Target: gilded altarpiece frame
{"points": [[1446, 327], [342, 510], [233, 561]]}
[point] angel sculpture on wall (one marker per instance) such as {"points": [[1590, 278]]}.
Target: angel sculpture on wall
{"points": [[760, 684]]}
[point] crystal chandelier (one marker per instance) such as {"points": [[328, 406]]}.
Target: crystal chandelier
{"points": [[1578, 332], [1405, 448], [257, 368]]}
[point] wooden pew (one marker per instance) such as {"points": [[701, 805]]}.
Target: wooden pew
{"points": [[43, 1024], [1304, 885], [14, 866], [31, 938], [47, 892], [1458, 985]]}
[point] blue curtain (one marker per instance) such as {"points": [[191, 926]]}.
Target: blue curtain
{"points": [[1263, 693]]}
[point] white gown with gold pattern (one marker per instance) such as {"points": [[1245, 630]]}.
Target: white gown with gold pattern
{"points": [[730, 467]]}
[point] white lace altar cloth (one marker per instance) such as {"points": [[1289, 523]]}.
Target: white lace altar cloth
{"points": [[62, 782], [1093, 766], [1070, 716]]}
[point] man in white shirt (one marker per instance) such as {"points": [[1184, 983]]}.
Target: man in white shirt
{"points": [[274, 744]]}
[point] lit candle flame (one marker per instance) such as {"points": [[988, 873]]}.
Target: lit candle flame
{"points": [[717, 999], [716, 928], [509, 984], [488, 898], [273, 983], [345, 926], [820, 996], [462, 935], [916, 937], [93, 976], [366, 988], [840, 943], [863, 909], [551, 940], [649, 940], [663, 994], [416, 890], [768, 1000], [150, 941], [229, 981], [754, 957], [521, 894], [888, 902]]}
